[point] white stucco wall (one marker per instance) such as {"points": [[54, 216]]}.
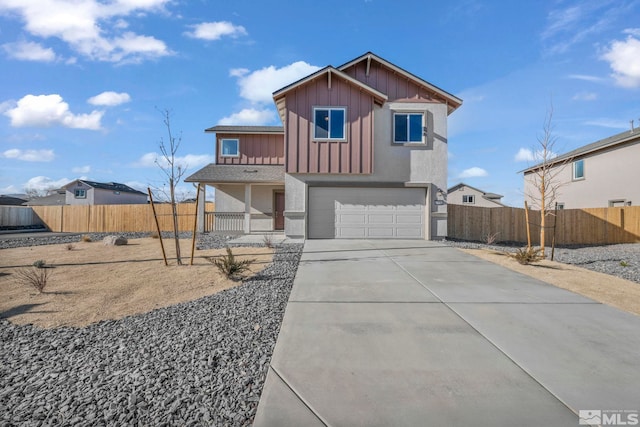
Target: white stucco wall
{"points": [[608, 175]]}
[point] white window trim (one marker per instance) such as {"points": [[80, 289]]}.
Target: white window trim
{"points": [[237, 145], [344, 125], [77, 190], [573, 170], [473, 199], [407, 113]]}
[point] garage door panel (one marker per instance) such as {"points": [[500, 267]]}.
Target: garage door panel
{"points": [[353, 213], [381, 219], [410, 219]]}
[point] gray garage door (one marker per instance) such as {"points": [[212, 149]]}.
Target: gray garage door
{"points": [[361, 213]]}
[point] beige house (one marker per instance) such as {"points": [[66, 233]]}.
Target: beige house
{"points": [[602, 174], [463, 194], [82, 192]]}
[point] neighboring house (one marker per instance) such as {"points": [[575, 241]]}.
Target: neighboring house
{"points": [[463, 194], [602, 174], [54, 198], [362, 154], [11, 201], [82, 192]]}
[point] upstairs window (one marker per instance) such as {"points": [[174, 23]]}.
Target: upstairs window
{"points": [[229, 147], [80, 193], [470, 199], [578, 169], [408, 128], [329, 123]]}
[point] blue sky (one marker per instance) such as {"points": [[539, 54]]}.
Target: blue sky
{"points": [[82, 80]]}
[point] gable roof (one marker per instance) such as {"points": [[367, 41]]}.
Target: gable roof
{"points": [[493, 197], [279, 95], [453, 102], [111, 186], [620, 139]]}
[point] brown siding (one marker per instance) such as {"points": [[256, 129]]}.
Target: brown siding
{"points": [[387, 81], [254, 150], [355, 156]]}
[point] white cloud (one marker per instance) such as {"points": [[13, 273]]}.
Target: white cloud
{"points": [[29, 51], [9, 189], [81, 169], [249, 116], [473, 172], [49, 110], [624, 59], [44, 183], [632, 31], [92, 28], [527, 155], [609, 123], [109, 99], [258, 86], [188, 161], [585, 96], [216, 30], [29, 155], [586, 78]]}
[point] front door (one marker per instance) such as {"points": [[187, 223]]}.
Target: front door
{"points": [[279, 210]]}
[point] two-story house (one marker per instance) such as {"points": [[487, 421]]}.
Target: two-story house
{"points": [[83, 192], [362, 153], [463, 194], [604, 173]]}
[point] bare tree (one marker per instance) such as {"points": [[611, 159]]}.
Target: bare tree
{"points": [[173, 171], [545, 179]]}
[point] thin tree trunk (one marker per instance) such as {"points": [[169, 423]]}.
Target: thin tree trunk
{"points": [[174, 212]]}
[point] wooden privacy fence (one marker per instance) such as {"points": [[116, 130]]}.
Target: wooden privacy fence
{"points": [[573, 226], [115, 218]]}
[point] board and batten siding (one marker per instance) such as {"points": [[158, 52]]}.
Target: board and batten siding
{"points": [[305, 155], [253, 149], [395, 86]]}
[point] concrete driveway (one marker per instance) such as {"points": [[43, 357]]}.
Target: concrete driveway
{"points": [[381, 333]]}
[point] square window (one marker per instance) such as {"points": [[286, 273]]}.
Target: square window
{"points": [[80, 193], [329, 123], [408, 127], [578, 169], [468, 199], [229, 148]]}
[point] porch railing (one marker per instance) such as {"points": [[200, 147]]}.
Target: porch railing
{"points": [[224, 221]]}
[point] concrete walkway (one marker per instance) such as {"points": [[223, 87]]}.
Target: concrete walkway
{"points": [[412, 333]]}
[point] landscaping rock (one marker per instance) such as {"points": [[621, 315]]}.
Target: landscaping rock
{"points": [[115, 241], [202, 362]]}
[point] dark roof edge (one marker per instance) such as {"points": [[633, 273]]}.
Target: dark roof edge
{"points": [[601, 144], [245, 129]]}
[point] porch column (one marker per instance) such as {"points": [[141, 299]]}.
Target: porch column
{"points": [[200, 209], [247, 208]]}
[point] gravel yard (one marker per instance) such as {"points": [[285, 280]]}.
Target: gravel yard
{"points": [[198, 363], [618, 260]]}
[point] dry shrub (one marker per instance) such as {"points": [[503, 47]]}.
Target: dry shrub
{"points": [[230, 266], [155, 235], [85, 238], [70, 246], [268, 240], [36, 277], [528, 255]]}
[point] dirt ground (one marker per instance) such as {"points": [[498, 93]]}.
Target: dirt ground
{"points": [[611, 290], [92, 282]]}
